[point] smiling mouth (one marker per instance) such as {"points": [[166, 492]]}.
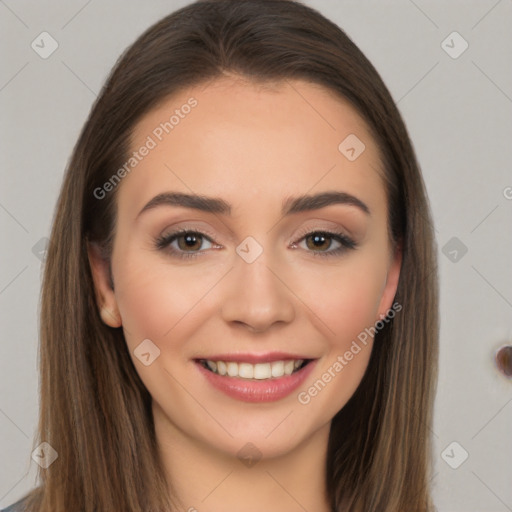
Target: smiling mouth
{"points": [[258, 371]]}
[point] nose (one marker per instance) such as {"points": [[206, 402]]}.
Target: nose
{"points": [[257, 295]]}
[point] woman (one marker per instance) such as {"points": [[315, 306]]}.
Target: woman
{"points": [[240, 303]]}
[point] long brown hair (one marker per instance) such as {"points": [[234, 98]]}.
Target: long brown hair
{"points": [[94, 409]]}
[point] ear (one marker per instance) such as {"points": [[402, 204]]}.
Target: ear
{"points": [[391, 284], [105, 297]]}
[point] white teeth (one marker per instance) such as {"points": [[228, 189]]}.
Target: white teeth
{"points": [[262, 371], [288, 367], [246, 370], [232, 369], [259, 371], [277, 369], [221, 368]]}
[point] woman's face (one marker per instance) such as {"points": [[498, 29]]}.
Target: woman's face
{"points": [[285, 260]]}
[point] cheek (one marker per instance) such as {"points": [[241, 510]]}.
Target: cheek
{"points": [[344, 301], [152, 299], [157, 301]]}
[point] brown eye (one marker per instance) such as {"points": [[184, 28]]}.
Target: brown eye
{"points": [[184, 243], [191, 241], [319, 241]]}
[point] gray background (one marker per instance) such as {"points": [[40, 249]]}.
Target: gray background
{"points": [[458, 112]]}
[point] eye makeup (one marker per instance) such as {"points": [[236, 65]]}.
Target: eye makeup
{"points": [[165, 242]]}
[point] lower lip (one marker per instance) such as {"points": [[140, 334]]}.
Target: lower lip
{"points": [[267, 390]]}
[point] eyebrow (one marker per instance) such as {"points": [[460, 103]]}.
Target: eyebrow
{"points": [[290, 206]]}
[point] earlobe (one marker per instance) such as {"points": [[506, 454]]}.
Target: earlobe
{"points": [[391, 285], [109, 317], [105, 297]]}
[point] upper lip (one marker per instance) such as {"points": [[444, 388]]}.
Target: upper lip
{"points": [[268, 357]]}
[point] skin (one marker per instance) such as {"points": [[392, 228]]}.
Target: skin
{"points": [[253, 146]]}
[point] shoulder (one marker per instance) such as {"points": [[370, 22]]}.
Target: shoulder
{"points": [[15, 507]]}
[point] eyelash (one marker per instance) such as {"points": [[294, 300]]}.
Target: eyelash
{"points": [[347, 243]]}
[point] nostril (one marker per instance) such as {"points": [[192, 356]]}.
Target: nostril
{"points": [[504, 360]]}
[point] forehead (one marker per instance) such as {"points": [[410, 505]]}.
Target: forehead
{"points": [[236, 139]]}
